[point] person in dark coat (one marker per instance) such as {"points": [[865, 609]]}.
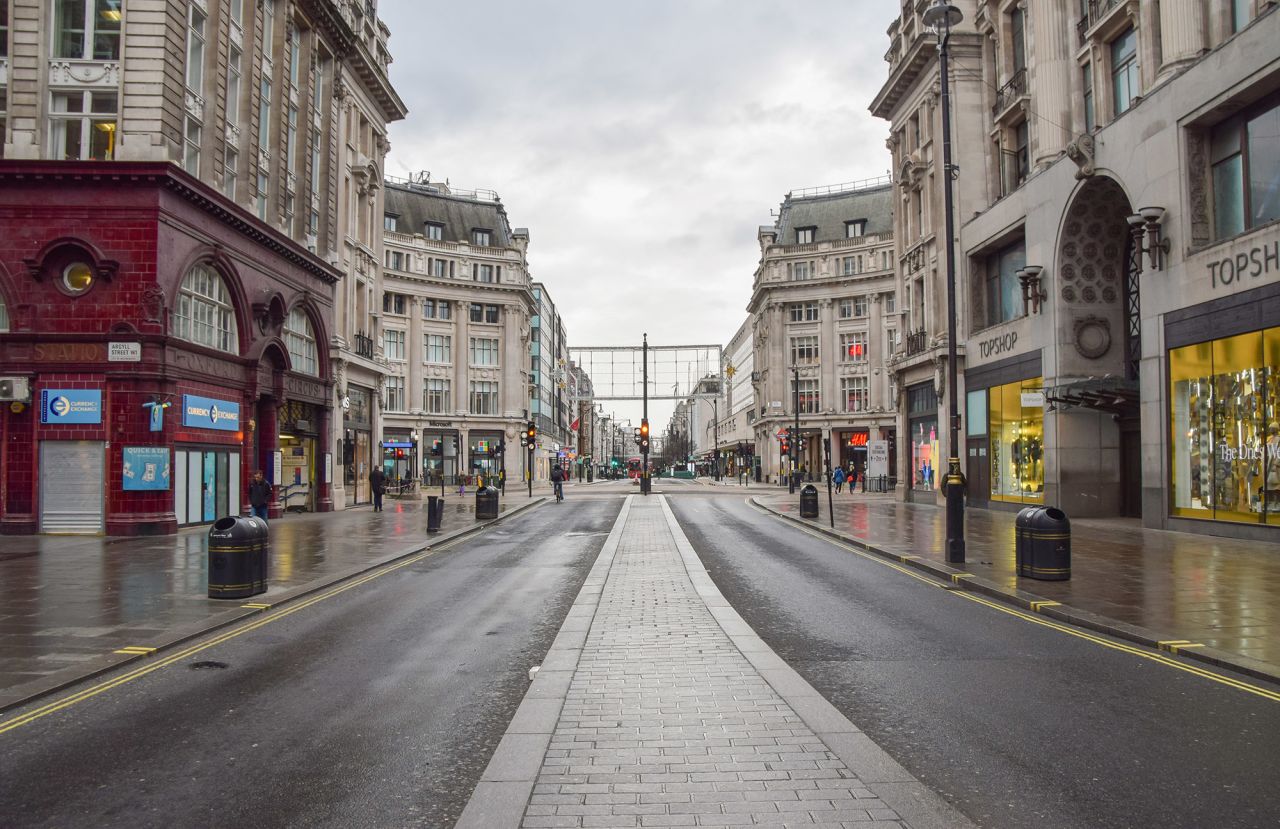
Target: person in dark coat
{"points": [[259, 494], [378, 483]]}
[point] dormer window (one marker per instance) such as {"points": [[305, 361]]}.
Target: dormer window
{"points": [[481, 237], [433, 231], [855, 228], [805, 235], [389, 222]]}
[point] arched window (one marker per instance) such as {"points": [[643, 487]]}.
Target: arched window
{"points": [[204, 314], [300, 339]]}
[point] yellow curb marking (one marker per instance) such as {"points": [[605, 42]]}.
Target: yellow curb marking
{"points": [[137, 650], [955, 577], [260, 621], [1038, 606], [1154, 656], [256, 606]]}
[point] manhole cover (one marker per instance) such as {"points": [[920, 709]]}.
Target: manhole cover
{"points": [[208, 665]]}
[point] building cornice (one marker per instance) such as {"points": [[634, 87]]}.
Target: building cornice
{"points": [[169, 177]]}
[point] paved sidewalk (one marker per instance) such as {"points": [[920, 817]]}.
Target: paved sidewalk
{"points": [[1148, 585], [658, 706], [67, 603]]}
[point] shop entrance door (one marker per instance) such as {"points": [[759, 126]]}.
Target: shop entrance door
{"points": [[206, 485], [978, 471], [71, 486], [363, 469]]}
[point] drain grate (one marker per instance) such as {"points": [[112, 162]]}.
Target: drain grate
{"points": [[209, 665]]}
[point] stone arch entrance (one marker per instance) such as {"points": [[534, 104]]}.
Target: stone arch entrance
{"points": [[1099, 326]]}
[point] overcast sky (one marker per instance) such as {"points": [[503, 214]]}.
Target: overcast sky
{"points": [[641, 143]]}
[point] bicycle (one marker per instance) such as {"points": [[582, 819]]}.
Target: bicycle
{"points": [[558, 486]]}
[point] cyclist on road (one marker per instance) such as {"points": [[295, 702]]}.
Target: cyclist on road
{"points": [[557, 482]]}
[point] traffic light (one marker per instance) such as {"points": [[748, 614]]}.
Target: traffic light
{"points": [[784, 442], [635, 435], [531, 434], [644, 435]]}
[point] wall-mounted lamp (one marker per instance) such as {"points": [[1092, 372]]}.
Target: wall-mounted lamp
{"points": [[1144, 226], [1033, 292]]}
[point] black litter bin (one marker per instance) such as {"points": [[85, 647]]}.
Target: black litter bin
{"points": [[261, 554], [237, 552], [486, 503], [1049, 545], [808, 501], [435, 513], [1022, 540]]}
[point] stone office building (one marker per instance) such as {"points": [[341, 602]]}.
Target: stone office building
{"points": [[1123, 357], [825, 322], [170, 215], [456, 313]]}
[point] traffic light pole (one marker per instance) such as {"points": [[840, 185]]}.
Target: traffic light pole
{"points": [[644, 418], [795, 436]]}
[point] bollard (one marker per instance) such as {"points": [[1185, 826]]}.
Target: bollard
{"points": [[435, 512]]}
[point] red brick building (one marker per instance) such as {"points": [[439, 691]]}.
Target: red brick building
{"points": [[126, 286]]}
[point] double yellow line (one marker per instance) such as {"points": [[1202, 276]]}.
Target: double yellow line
{"points": [[275, 616], [1173, 645]]}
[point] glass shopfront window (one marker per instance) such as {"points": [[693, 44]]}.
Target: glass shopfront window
{"points": [[1225, 428], [922, 420], [439, 458], [1015, 429]]}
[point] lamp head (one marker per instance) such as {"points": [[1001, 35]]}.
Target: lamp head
{"points": [[1033, 271], [1151, 214], [942, 15], [1135, 220]]}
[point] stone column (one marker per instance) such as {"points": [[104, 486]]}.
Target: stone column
{"points": [[1051, 75], [829, 344], [461, 357], [513, 359], [1182, 33], [876, 357], [414, 350], [268, 443], [324, 500]]}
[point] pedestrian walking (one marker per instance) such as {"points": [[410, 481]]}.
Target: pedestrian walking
{"points": [[378, 483], [557, 482], [259, 494], [838, 478], [852, 478]]}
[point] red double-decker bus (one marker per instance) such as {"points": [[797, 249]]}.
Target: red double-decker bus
{"points": [[634, 467]]}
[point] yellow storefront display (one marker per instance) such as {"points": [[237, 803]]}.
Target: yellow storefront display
{"points": [[1015, 429], [1225, 428]]}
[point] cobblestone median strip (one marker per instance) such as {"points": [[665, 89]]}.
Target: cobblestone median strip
{"points": [[677, 714]]}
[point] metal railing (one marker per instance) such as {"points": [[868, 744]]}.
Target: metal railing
{"points": [[1093, 12], [844, 187], [917, 342], [364, 345], [1012, 90]]}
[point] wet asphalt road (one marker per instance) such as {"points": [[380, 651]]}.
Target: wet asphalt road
{"points": [[1016, 724], [377, 707]]}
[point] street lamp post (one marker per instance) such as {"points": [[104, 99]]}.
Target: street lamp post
{"points": [[942, 16], [795, 435], [715, 436]]}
